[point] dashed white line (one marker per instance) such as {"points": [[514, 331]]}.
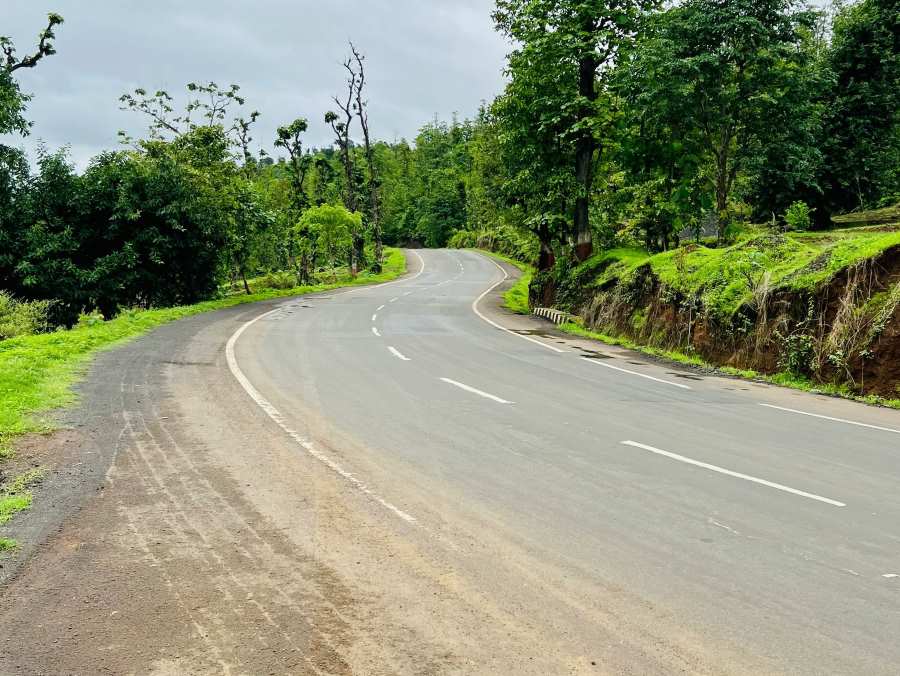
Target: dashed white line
{"points": [[394, 351], [304, 443], [827, 417], [375, 317], [393, 300], [635, 373], [737, 475], [473, 390], [375, 331], [380, 308], [503, 328]]}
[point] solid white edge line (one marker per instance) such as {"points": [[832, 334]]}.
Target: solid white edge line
{"points": [[495, 324], [394, 351], [468, 388], [375, 331], [738, 475], [827, 417], [635, 373], [304, 443]]}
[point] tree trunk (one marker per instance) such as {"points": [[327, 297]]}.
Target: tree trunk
{"points": [[721, 198], [244, 279], [546, 258], [585, 147]]}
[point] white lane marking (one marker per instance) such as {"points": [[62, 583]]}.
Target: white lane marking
{"points": [[503, 328], [380, 308], [304, 443], [738, 475], [826, 417], [375, 331], [394, 351], [635, 373], [890, 576], [723, 526], [393, 300], [474, 391], [375, 317], [408, 293]]}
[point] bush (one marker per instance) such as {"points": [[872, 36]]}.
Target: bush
{"points": [[276, 280], [798, 216], [463, 239], [22, 318], [90, 319]]}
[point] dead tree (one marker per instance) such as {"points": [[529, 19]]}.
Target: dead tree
{"points": [[340, 125], [361, 107]]}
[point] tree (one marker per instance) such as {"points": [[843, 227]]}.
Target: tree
{"points": [[579, 41], [333, 228], [212, 101], [289, 137], [12, 99], [340, 125], [861, 134], [249, 218], [361, 108], [723, 73]]}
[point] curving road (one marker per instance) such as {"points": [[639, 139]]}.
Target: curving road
{"points": [[406, 479]]}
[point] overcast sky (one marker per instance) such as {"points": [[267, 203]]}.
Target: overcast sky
{"points": [[424, 57]]}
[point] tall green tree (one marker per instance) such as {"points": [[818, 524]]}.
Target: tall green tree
{"points": [[862, 130], [723, 75], [564, 47]]}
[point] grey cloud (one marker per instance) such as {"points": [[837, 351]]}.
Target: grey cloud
{"points": [[424, 57]]}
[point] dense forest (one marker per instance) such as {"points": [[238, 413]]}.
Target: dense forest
{"points": [[632, 123]]}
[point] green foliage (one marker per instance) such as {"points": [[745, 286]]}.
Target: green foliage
{"points": [[861, 134], [22, 318], [798, 216], [331, 227], [12, 100]]}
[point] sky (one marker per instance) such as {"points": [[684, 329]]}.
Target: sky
{"points": [[423, 58]]}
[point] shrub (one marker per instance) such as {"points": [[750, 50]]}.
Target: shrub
{"points": [[798, 216], [463, 239], [22, 318], [92, 318], [277, 280]]}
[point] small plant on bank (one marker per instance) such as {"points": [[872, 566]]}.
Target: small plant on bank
{"points": [[798, 217]]}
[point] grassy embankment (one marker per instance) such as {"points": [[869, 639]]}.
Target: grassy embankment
{"points": [[725, 279], [729, 278], [37, 372]]}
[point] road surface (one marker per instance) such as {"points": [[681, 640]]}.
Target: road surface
{"points": [[407, 479]]}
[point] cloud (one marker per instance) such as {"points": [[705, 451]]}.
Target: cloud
{"points": [[424, 57]]}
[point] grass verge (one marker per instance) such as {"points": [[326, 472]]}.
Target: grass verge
{"points": [[781, 379], [516, 298], [37, 372]]}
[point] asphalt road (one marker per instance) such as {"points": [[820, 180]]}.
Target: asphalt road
{"points": [[448, 488], [595, 470]]}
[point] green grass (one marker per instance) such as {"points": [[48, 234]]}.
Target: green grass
{"points": [[37, 372], [724, 277], [516, 298], [7, 545], [15, 496]]}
